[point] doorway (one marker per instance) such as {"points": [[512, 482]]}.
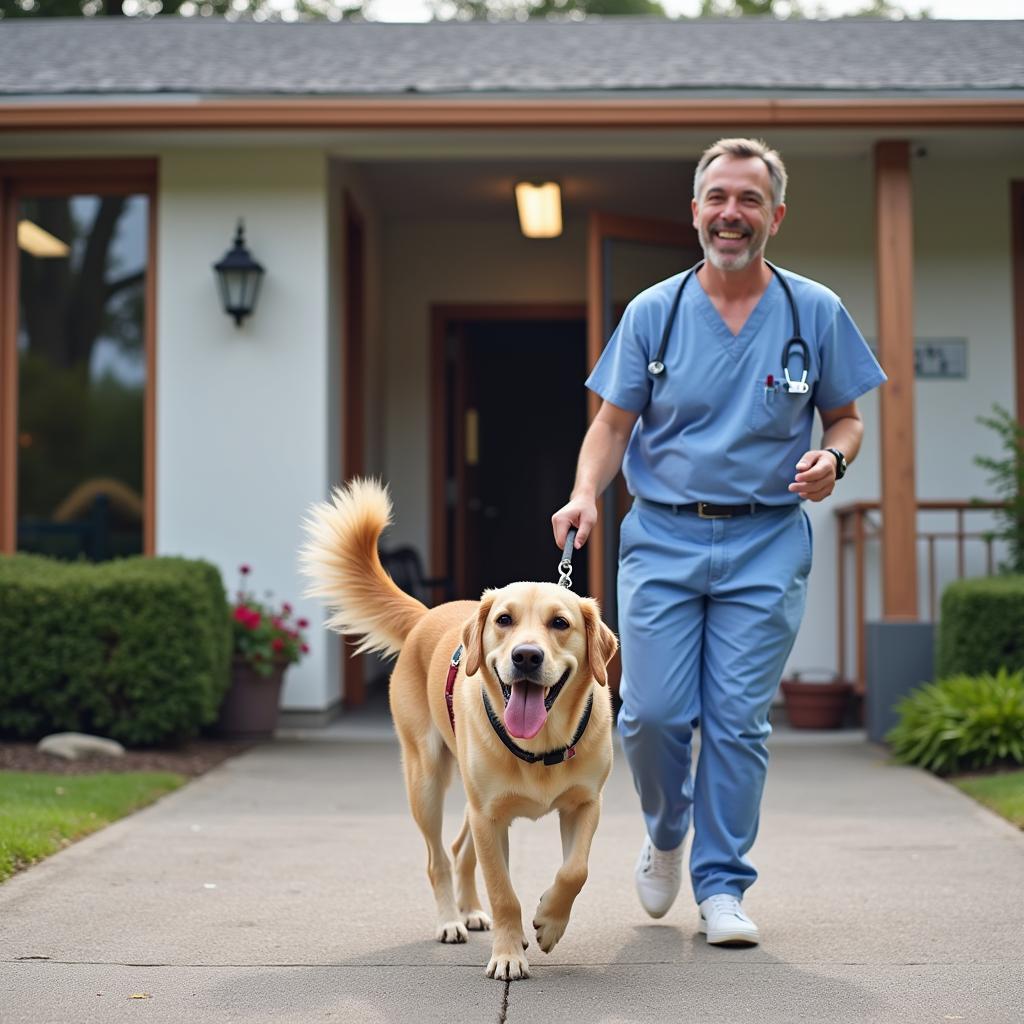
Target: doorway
{"points": [[515, 411]]}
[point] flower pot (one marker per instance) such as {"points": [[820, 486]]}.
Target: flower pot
{"points": [[250, 706], [812, 705]]}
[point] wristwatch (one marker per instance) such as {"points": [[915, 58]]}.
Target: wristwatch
{"points": [[840, 462]]}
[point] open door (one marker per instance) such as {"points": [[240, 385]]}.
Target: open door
{"points": [[625, 255]]}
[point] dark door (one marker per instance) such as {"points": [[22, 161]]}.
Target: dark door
{"points": [[523, 418]]}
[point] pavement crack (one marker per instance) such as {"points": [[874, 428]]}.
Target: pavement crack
{"points": [[503, 1015]]}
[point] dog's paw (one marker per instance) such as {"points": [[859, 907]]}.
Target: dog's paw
{"points": [[549, 927], [477, 921], [452, 931], [508, 967]]}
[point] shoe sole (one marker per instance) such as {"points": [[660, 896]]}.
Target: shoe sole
{"points": [[729, 938]]}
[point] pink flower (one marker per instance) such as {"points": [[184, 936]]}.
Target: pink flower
{"points": [[244, 570], [305, 648], [302, 623], [286, 608]]}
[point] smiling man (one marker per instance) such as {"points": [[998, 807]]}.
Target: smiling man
{"points": [[709, 388]]}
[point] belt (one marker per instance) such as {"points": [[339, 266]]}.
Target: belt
{"points": [[706, 510]]}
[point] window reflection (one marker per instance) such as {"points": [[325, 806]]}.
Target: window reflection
{"points": [[82, 375]]}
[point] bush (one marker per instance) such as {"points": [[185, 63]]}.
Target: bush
{"points": [[136, 649], [982, 627], [962, 723]]}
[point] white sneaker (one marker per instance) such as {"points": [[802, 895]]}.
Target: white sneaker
{"points": [[658, 874], [723, 921]]}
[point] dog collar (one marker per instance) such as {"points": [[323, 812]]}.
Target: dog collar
{"points": [[552, 756]]}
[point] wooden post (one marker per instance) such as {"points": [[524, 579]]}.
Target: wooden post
{"points": [[894, 260]]}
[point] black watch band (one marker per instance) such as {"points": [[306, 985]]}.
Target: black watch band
{"points": [[840, 462]]}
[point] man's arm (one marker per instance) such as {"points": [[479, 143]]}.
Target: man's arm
{"points": [[600, 459], [816, 471]]}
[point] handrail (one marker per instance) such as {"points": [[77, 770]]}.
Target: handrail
{"points": [[858, 525]]}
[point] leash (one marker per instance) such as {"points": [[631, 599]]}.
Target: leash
{"points": [[565, 565]]}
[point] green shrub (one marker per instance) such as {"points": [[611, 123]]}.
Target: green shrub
{"points": [[982, 627], [962, 723], [136, 649]]}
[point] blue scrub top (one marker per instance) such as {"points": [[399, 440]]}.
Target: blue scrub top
{"points": [[709, 430]]}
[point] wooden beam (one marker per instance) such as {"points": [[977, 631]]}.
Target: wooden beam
{"points": [[894, 262], [550, 113]]}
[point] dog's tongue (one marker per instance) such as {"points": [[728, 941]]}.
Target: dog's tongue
{"points": [[525, 713]]}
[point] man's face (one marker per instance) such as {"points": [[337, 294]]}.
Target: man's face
{"points": [[734, 215]]}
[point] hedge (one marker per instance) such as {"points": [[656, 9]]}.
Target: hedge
{"points": [[982, 627], [136, 649]]}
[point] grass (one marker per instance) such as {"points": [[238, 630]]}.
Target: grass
{"points": [[42, 813], [1002, 792]]}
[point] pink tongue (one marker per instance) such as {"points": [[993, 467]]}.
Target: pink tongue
{"points": [[525, 713]]}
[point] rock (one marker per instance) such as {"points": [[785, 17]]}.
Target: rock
{"points": [[77, 746]]}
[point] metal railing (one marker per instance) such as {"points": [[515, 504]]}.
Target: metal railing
{"points": [[860, 526]]}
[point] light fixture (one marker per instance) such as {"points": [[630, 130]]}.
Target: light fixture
{"points": [[38, 242], [540, 209], [239, 277]]}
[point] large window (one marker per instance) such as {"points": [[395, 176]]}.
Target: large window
{"points": [[81, 360]]}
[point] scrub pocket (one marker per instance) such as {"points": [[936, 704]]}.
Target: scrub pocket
{"points": [[808, 536], [776, 414]]}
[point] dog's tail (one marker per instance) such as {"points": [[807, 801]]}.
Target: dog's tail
{"points": [[340, 557]]}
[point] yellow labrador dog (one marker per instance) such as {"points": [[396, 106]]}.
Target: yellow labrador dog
{"points": [[509, 687]]}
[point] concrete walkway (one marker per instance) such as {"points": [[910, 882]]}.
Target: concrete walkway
{"points": [[289, 885]]}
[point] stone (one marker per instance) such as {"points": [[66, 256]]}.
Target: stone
{"points": [[78, 746]]}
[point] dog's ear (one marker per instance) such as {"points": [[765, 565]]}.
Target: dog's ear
{"points": [[601, 642], [473, 634]]}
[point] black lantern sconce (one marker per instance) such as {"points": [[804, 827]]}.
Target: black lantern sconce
{"points": [[239, 277]]}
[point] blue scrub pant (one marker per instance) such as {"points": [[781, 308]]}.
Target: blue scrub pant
{"points": [[708, 612]]}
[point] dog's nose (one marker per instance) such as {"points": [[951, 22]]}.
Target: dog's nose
{"points": [[527, 657]]}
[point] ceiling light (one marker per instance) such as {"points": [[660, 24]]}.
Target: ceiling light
{"points": [[540, 209], [37, 242]]}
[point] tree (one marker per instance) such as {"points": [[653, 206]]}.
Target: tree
{"points": [[521, 10], [232, 10]]}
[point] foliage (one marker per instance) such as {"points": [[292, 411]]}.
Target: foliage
{"points": [[136, 649], [231, 10], [265, 635], [1006, 476], [800, 9], [521, 10], [962, 723], [1002, 792], [982, 626], [40, 813]]}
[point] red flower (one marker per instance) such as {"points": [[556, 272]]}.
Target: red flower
{"points": [[305, 648], [244, 570], [302, 623], [286, 608], [278, 644]]}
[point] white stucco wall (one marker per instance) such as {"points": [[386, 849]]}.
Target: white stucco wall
{"points": [[242, 413]]}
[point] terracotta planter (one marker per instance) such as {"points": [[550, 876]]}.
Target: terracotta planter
{"points": [[816, 705], [250, 706]]}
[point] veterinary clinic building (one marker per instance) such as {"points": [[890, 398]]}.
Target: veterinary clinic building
{"points": [[407, 327]]}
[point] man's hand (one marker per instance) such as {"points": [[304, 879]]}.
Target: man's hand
{"points": [[579, 512], [815, 475]]}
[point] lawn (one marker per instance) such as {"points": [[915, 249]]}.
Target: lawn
{"points": [[41, 813], [1003, 792]]}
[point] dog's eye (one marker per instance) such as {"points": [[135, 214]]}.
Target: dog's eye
{"points": [[504, 619], [559, 623]]}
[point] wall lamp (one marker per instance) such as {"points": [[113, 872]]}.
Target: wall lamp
{"points": [[238, 277], [540, 209]]}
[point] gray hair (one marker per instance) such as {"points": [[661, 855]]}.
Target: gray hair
{"points": [[745, 148]]}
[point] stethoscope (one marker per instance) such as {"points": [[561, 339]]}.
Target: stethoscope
{"points": [[656, 367]]}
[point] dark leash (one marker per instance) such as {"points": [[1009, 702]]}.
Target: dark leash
{"points": [[565, 565]]}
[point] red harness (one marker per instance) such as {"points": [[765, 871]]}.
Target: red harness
{"points": [[449, 686]]}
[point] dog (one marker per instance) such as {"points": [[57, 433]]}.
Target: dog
{"points": [[508, 687]]}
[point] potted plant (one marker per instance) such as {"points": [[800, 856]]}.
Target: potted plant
{"points": [[266, 641], [816, 699]]}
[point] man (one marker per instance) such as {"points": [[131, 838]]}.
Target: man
{"points": [[712, 427]]}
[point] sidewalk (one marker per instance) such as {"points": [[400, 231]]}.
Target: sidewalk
{"points": [[289, 885]]}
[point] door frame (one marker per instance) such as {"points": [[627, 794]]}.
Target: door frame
{"points": [[60, 177], [443, 317]]}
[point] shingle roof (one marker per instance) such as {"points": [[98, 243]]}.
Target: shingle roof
{"points": [[120, 56]]}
